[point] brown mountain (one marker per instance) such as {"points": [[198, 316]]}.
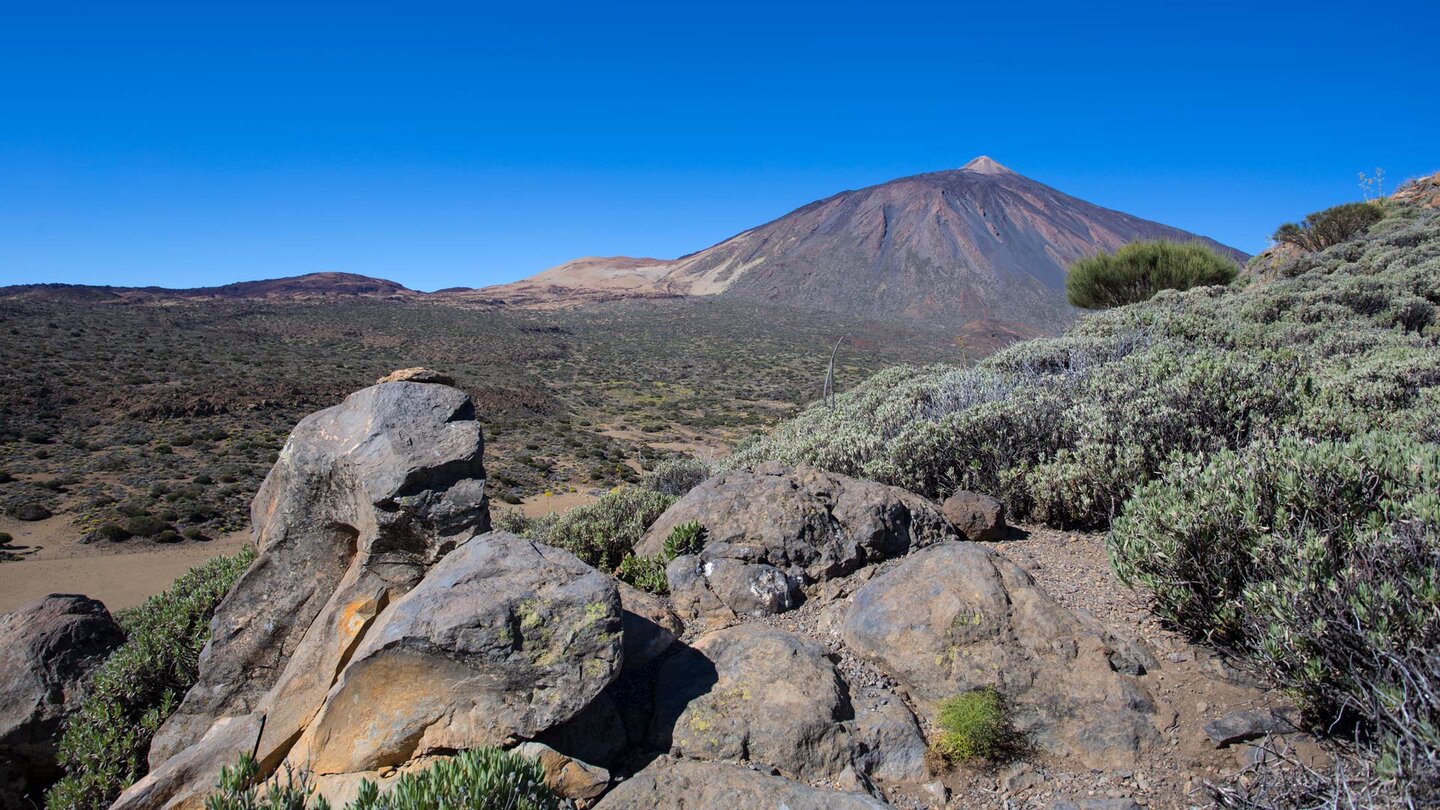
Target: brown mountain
{"points": [[310, 285], [978, 243]]}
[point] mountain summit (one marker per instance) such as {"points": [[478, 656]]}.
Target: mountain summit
{"points": [[978, 243]]}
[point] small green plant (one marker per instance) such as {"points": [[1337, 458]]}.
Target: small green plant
{"points": [[104, 745], [1138, 270], [478, 779], [645, 573], [686, 538], [1330, 227], [972, 726]]}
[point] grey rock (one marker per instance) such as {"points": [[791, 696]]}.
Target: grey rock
{"points": [[649, 626], [502, 640], [364, 498], [684, 785], [418, 374], [957, 617], [47, 648], [979, 517], [1248, 724], [891, 747], [774, 530], [1096, 804], [183, 781], [754, 693]]}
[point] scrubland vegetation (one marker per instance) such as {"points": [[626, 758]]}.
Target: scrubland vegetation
{"points": [[1139, 270], [156, 422], [1265, 453], [106, 742]]}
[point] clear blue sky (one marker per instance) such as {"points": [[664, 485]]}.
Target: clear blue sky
{"points": [[469, 143]]}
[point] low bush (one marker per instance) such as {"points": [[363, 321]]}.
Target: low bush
{"points": [[104, 746], [972, 726], [1319, 560], [1137, 271], [478, 779], [676, 476], [648, 573], [1324, 229], [604, 532]]}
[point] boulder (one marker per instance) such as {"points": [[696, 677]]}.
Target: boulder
{"points": [[649, 626], [567, 776], [978, 517], [957, 617], [889, 744], [683, 785], [754, 693], [503, 639], [364, 498], [774, 530], [417, 374], [47, 648]]}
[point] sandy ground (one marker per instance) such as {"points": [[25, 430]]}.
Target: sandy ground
{"points": [[119, 574], [559, 502]]}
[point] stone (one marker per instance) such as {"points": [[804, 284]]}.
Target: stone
{"points": [[1245, 725], [365, 497], [569, 777], [185, 780], [754, 693], [417, 374], [978, 517], [772, 531], [957, 616], [502, 640], [47, 648], [669, 784], [891, 746], [649, 626], [1096, 804]]}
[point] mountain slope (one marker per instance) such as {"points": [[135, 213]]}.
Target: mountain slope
{"points": [[979, 242]]}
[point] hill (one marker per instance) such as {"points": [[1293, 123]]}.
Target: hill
{"points": [[310, 285], [976, 243]]}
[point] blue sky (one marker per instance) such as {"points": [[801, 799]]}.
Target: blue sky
{"points": [[469, 143]]}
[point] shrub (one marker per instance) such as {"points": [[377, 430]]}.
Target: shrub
{"points": [[602, 533], [478, 779], [1138, 270], [145, 525], [686, 538], [676, 476], [31, 512], [1324, 229], [645, 573], [112, 532], [1322, 562], [105, 742], [6, 538], [972, 726]]}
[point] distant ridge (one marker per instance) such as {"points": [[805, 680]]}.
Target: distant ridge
{"points": [[310, 285], [978, 243]]}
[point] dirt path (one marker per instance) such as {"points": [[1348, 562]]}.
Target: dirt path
{"points": [[120, 575]]}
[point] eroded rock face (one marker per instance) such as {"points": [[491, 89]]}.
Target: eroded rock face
{"points": [[47, 648], [773, 531], [365, 497], [503, 639], [682, 785], [752, 692], [190, 776], [956, 617]]}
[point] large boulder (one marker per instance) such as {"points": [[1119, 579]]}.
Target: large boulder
{"points": [[977, 516], [774, 530], [680, 785], [957, 617], [186, 779], [754, 693], [47, 648], [364, 498], [502, 640]]}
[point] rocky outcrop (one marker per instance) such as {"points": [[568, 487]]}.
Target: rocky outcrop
{"points": [[365, 497], [754, 693], [650, 626], [417, 374], [681, 785], [978, 517], [772, 531], [183, 781], [47, 648], [502, 640], [957, 617]]}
